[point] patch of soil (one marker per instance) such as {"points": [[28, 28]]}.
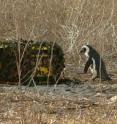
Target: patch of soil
{"points": [[70, 103]]}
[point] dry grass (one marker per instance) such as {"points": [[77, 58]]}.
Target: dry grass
{"points": [[71, 23], [28, 106]]}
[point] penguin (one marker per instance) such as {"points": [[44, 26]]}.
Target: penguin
{"points": [[95, 63]]}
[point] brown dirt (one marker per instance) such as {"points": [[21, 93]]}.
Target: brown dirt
{"points": [[64, 104]]}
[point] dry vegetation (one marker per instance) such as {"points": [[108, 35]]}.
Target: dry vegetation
{"points": [[71, 23], [83, 104]]}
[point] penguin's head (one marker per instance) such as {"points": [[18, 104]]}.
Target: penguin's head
{"points": [[85, 50]]}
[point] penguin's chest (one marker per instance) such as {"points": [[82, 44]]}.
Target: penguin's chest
{"points": [[93, 66], [91, 69]]}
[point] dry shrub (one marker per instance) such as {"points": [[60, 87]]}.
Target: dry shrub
{"points": [[71, 23]]}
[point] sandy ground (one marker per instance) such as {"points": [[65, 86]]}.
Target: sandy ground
{"points": [[71, 103]]}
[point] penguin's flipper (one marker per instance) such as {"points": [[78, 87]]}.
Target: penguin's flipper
{"points": [[88, 63]]}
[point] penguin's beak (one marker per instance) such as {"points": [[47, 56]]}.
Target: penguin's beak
{"points": [[82, 51]]}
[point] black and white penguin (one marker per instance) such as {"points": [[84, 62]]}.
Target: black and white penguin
{"points": [[94, 62]]}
